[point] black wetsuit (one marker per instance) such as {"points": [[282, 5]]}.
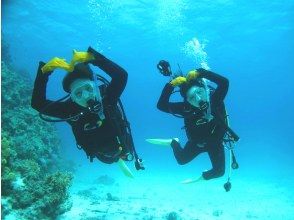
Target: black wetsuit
{"points": [[205, 137], [100, 142]]}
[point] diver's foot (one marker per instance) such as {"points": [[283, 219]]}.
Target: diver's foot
{"points": [[175, 143]]}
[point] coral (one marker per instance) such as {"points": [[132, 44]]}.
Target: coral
{"points": [[56, 191], [110, 197], [173, 216], [87, 193], [7, 174], [34, 183], [5, 55], [105, 180], [217, 213], [18, 183]]}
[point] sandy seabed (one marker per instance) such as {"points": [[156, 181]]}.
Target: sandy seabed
{"points": [[160, 195]]}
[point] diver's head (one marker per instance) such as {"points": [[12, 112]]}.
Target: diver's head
{"points": [[195, 93], [79, 83], [82, 92]]}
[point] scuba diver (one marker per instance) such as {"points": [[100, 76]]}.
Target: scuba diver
{"points": [[204, 117], [93, 111]]}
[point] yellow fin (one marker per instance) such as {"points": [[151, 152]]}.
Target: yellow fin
{"points": [[125, 169], [56, 62], [80, 57], [164, 142], [188, 181]]}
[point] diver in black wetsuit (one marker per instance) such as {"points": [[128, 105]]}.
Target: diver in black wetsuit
{"points": [[91, 111], [203, 114]]}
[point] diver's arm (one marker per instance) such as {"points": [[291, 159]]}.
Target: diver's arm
{"points": [[118, 75], [221, 82], [39, 101], [163, 103]]}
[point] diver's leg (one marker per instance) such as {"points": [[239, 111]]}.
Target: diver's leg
{"points": [[217, 157], [186, 154]]}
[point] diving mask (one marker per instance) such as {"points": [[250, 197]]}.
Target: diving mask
{"points": [[83, 90], [86, 94], [198, 97]]}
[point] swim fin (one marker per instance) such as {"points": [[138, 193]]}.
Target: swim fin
{"points": [[125, 169], [164, 142], [57, 62], [188, 181], [81, 57]]}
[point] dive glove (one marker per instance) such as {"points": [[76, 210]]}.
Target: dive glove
{"points": [[41, 64], [178, 81], [98, 57]]}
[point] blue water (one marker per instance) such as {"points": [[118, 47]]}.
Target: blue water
{"points": [[249, 42]]}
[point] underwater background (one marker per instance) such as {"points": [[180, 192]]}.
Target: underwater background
{"points": [[249, 42]]}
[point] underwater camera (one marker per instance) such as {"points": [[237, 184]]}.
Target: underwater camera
{"points": [[164, 68]]}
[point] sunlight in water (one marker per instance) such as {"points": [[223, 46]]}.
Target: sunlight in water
{"points": [[195, 50], [170, 18], [170, 14], [101, 13]]}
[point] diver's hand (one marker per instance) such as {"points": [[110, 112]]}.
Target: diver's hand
{"points": [[81, 57], [193, 74], [178, 81], [98, 57], [56, 62], [41, 64], [92, 51]]}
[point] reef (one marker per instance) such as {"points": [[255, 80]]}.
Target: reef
{"points": [[35, 184], [5, 55], [105, 180]]}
